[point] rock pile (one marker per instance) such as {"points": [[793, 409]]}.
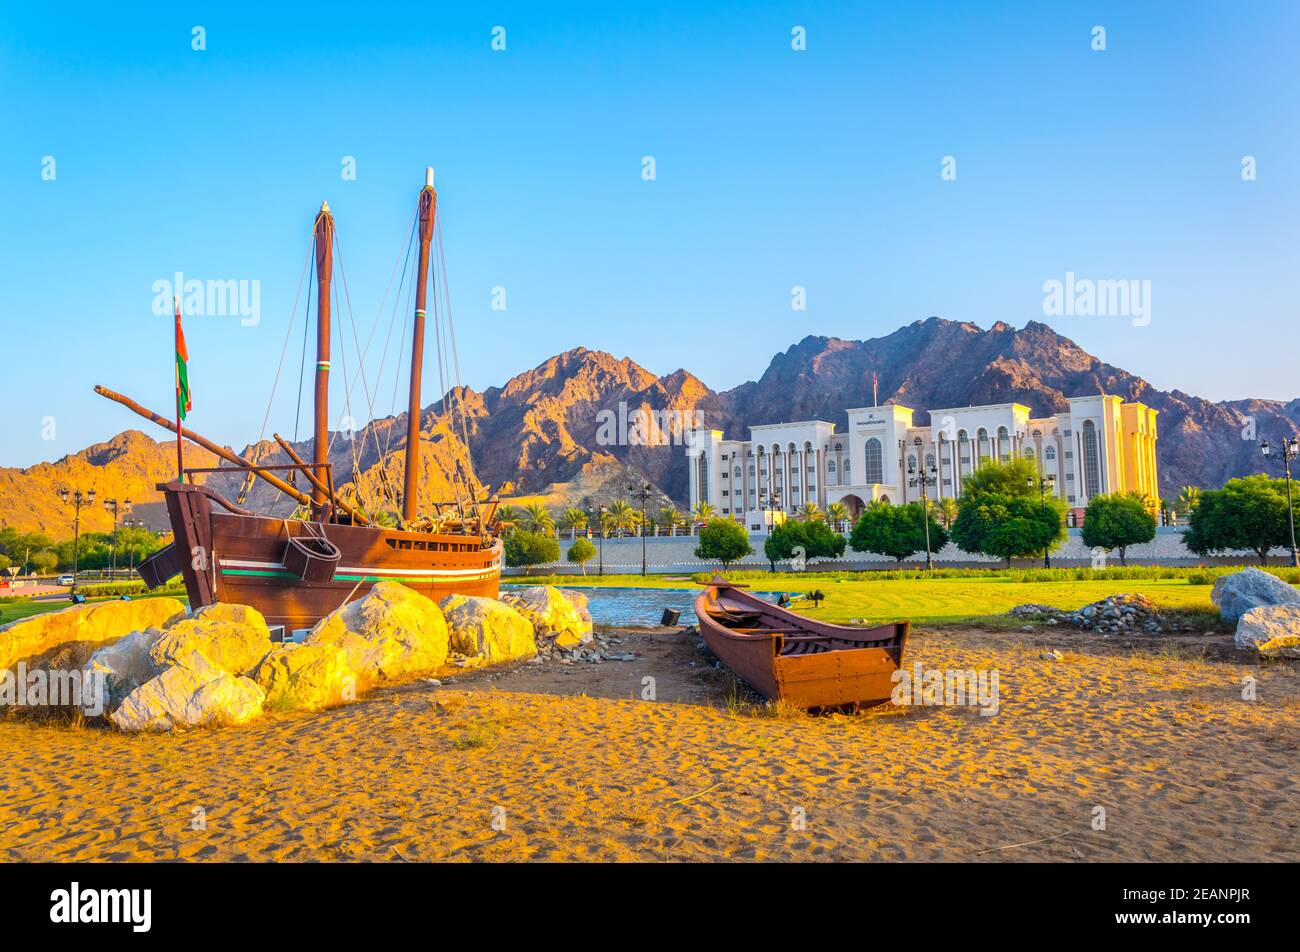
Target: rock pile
{"points": [[1118, 613], [162, 670]]}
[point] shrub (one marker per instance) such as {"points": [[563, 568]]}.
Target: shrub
{"points": [[527, 549], [723, 540]]}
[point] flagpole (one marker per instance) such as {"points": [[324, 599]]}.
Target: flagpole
{"points": [[180, 414]]}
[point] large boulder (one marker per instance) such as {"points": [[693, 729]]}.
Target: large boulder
{"points": [[124, 665], [306, 677], [393, 632], [230, 645], [551, 613], [241, 614], [32, 639], [1273, 630], [486, 628], [192, 692], [1239, 592], [579, 602]]}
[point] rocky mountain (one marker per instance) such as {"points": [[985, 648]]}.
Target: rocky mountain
{"points": [[581, 426]]}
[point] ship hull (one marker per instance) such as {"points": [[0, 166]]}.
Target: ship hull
{"points": [[241, 559]]}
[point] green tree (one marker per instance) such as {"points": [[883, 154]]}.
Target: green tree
{"points": [[528, 549], [669, 518], [44, 561], [1016, 477], [837, 514], [725, 541], [1247, 513], [581, 552], [945, 510], [1008, 526], [1116, 521], [816, 539], [1187, 499], [538, 519], [574, 520], [621, 516], [702, 511], [5, 562], [897, 531], [809, 512]]}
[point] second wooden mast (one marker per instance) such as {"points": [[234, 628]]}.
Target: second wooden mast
{"points": [[411, 487], [321, 443]]}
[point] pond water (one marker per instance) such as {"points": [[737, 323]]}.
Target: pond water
{"points": [[640, 607]]}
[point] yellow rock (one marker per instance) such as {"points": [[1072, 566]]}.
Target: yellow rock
{"points": [[486, 628], [551, 613], [92, 623], [241, 614], [306, 677], [230, 645], [393, 632], [193, 692]]}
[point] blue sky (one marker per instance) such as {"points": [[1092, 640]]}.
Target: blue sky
{"points": [[775, 168]]}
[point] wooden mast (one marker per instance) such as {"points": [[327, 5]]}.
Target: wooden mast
{"points": [[324, 271], [411, 487]]}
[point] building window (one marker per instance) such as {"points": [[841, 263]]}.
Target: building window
{"points": [[875, 471], [1004, 444], [1091, 459], [737, 472], [1029, 453], [751, 470], [1050, 452]]}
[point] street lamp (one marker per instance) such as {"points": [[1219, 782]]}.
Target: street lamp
{"points": [[112, 506], [1288, 451], [600, 531], [1044, 484], [643, 493], [129, 523], [922, 478], [78, 499]]}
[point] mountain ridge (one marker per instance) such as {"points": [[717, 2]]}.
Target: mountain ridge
{"points": [[539, 433]]}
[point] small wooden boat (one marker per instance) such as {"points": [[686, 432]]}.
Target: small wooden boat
{"points": [[789, 657]]}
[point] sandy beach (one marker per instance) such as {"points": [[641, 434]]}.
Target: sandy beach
{"points": [[552, 762]]}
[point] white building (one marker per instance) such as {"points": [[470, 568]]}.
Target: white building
{"points": [[1102, 445]]}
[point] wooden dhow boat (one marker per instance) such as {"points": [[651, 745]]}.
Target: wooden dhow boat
{"points": [[297, 570], [789, 657]]}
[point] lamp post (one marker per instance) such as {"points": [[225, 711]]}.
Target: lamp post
{"points": [[599, 515], [1288, 451], [917, 475], [130, 523], [113, 506], [78, 499], [1044, 483], [643, 494]]}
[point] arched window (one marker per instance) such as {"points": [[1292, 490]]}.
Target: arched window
{"points": [[1050, 453], [1028, 452], [1091, 459], [830, 466], [911, 461], [736, 472], [929, 462], [1004, 444], [751, 470], [875, 471], [982, 443]]}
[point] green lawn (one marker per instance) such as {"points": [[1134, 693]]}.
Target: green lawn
{"points": [[935, 601], [940, 601]]}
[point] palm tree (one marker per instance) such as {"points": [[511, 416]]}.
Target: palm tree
{"points": [[574, 519], [702, 511], [837, 514], [621, 516], [810, 512], [946, 509], [508, 517], [669, 518], [538, 519], [1188, 499]]}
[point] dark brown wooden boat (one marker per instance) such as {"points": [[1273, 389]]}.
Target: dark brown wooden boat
{"points": [[789, 657], [295, 571]]}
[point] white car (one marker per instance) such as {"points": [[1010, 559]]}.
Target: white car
{"points": [[66, 580]]}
